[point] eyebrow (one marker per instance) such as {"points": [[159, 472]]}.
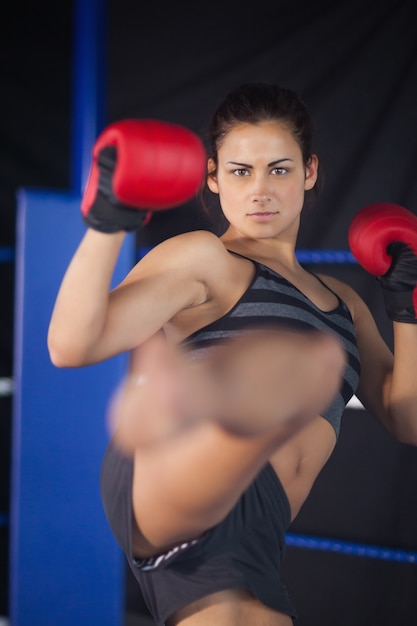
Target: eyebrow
{"points": [[251, 166]]}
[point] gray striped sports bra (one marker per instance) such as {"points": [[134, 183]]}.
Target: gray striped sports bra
{"points": [[272, 300]]}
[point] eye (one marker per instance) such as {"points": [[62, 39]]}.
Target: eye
{"points": [[279, 171], [240, 172]]}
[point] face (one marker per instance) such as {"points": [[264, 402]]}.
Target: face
{"points": [[261, 180]]}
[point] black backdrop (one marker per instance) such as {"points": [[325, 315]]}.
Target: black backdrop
{"points": [[355, 64]]}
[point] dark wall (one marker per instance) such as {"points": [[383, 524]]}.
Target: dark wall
{"points": [[355, 64]]}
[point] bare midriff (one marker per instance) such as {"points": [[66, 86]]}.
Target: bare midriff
{"points": [[232, 607]]}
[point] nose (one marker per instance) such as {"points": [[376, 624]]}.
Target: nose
{"points": [[261, 192], [261, 199]]}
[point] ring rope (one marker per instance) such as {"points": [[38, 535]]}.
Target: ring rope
{"points": [[295, 540], [306, 256], [353, 549], [7, 255], [325, 256]]}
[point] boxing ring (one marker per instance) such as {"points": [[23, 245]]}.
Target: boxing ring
{"points": [[65, 566], [76, 571]]}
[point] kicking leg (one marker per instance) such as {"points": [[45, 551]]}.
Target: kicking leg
{"points": [[253, 396]]}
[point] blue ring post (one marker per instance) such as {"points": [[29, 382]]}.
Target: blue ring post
{"points": [[65, 566], [88, 85]]}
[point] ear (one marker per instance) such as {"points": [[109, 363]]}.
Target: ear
{"points": [[311, 172], [211, 176]]}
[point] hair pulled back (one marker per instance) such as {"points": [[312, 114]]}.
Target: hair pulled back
{"points": [[257, 102]]}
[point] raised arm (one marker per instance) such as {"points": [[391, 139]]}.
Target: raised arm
{"points": [[383, 237], [153, 166]]}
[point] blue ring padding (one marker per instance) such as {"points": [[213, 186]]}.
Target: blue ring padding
{"points": [[353, 549]]}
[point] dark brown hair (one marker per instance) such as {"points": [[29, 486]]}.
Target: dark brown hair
{"points": [[260, 102]]}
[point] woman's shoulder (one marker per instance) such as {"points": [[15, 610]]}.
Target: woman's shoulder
{"points": [[197, 252], [197, 243], [195, 240]]}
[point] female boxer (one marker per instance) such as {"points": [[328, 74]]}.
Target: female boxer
{"points": [[237, 382]]}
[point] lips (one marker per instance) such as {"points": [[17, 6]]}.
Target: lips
{"points": [[262, 215]]}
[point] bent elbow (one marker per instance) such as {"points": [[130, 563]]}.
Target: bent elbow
{"points": [[405, 431], [59, 360], [409, 439], [64, 355]]}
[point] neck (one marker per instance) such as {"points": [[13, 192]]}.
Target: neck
{"points": [[271, 250]]}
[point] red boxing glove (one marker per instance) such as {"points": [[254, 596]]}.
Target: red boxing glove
{"points": [[140, 166], [383, 239]]}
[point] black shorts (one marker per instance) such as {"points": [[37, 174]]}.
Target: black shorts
{"points": [[244, 551]]}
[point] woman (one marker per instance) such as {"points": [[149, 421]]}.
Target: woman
{"points": [[235, 426]]}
